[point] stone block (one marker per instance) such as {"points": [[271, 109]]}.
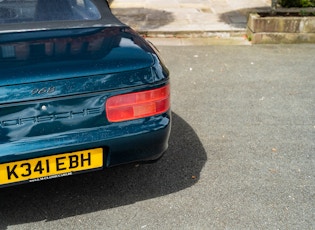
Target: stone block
{"points": [[280, 29]]}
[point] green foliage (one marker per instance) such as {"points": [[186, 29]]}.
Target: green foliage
{"points": [[297, 3]]}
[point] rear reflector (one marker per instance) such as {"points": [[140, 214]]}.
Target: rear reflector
{"points": [[138, 105]]}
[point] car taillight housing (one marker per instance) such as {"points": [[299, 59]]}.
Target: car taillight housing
{"points": [[138, 105]]}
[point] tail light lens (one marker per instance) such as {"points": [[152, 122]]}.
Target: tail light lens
{"points": [[138, 105]]}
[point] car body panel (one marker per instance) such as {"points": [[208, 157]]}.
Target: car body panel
{"points": [[54, 84], [108, 50]]}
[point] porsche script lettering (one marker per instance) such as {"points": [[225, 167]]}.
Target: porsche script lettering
{"points": [[51, 117]]}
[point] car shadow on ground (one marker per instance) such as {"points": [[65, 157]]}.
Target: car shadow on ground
{"points": [[86, 193], [143, 18]]}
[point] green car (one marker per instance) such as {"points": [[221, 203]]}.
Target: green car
{"points": [[79, 91]]}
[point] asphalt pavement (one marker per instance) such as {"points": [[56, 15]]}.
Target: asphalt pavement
{"points": [[241, 153]]}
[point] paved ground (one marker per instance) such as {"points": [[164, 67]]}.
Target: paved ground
{"points": [[241, 154], [187, 17]]}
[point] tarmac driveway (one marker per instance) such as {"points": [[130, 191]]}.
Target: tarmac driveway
{"points": [[241, 153]]}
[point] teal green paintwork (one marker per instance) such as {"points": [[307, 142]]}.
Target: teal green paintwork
{"points": [[53, 90]]}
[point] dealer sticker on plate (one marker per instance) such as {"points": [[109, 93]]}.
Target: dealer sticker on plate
{"points": [[55, 166]]}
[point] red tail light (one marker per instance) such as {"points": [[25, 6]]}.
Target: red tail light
{"points": [[138, 105]]}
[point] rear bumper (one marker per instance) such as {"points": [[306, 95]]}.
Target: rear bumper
{"points": [[138, 140]]}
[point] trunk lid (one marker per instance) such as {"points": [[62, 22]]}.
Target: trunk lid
{"points": [[53, 88], [62, 65]]}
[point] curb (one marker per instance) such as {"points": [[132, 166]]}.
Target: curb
{"points": [[192, 34]]}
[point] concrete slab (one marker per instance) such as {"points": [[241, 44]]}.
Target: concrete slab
{"points": [[198, 17]]}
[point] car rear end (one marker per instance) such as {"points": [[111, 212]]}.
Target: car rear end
{"points": [[79, 101]]}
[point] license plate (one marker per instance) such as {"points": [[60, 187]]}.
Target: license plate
{"points": [[55, 166]]}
